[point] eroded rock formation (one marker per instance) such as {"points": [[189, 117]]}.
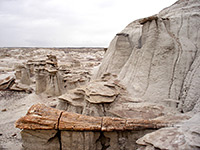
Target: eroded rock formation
{"points": [[91, 99], [108, 97], [157, 57], [50, 75]]}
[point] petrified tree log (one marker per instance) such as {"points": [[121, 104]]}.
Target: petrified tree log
{"points": [[40, 117], [54, 129]]}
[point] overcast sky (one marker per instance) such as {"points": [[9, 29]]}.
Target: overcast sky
{"points": [[65, 23]]}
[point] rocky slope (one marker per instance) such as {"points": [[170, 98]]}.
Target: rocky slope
{"points": [[157, 57]]}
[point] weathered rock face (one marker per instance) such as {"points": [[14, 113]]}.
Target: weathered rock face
{"points": [[55, 80], [25, 76], [118, 140], [157, 57], [41, 81], [40, 139], [183, 136], [90, 99], [109, 98], [48, 78], [100, 92]]}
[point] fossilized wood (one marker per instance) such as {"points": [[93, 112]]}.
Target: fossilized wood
{"points": [[40, 117], [77, 122]]}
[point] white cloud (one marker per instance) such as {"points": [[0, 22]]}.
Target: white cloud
{"points": [[69, 22]]}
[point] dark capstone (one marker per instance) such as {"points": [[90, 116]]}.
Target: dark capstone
{"points": [[123, 34]]}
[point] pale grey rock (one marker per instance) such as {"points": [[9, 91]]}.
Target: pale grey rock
{"points": [[41, 82], [157, 57], [22, 73], [25, 76], [100, 140], [10, 83], [74, 78], [40, 139], [140, 110], [54, 83], [81, 100], [72, 101], [171, 103], [74, 97], [92, 99], [197, 106], [181, 137], [21, 88], [77, 140], [48, 78], [190, 95], [100, 92], [18, 72], [80, 140]]}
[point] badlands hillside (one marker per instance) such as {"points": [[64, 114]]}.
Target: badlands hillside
{"points": [[142, 94]]}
